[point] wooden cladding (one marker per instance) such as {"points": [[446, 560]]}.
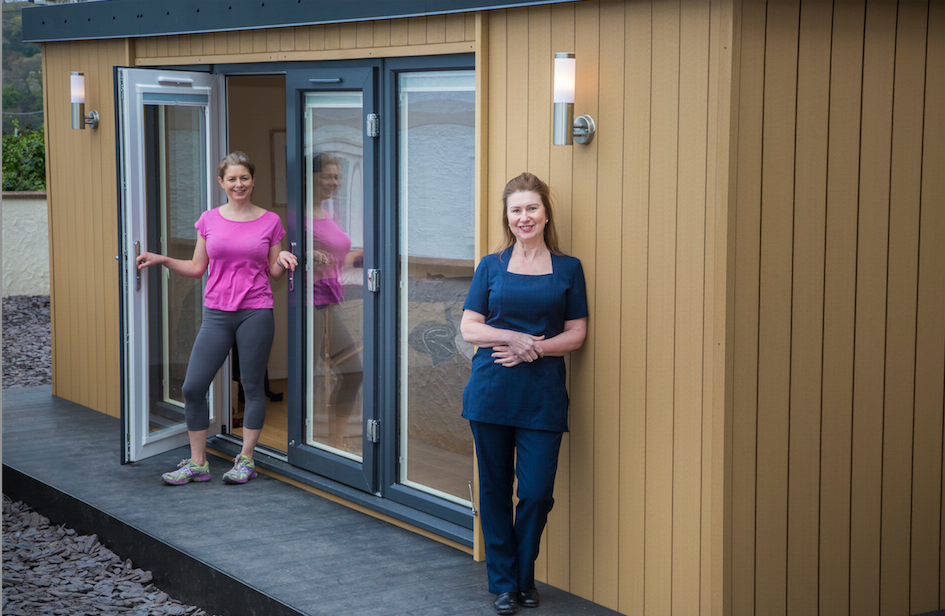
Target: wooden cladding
{"points": [[636, 497], [839, 299], [83, 225], [757, 413], [437, 34]]}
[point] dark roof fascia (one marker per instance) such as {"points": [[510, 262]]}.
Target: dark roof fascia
{"points": [[137, 18]]}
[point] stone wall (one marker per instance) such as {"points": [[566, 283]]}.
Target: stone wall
{"points": [[25, 244]]}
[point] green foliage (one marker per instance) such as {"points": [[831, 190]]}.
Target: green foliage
{"points": [[24, 160], [22, 73]]}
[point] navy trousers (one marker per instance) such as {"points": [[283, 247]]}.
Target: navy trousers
{"points": [[505, 453]]}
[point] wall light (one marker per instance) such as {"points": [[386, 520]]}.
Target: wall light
{"points": [[565, 127], [79, 119]]}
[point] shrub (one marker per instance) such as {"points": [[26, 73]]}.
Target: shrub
{"points": [[24, 161]]}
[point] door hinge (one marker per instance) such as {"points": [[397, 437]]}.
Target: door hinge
{"points": [[374, 430], [373, 125], [374, 280]]}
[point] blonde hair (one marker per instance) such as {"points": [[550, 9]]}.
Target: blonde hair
{"points": [[235, 158], [529, 182]]}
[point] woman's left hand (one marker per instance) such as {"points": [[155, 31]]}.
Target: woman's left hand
{"points": [[287, 260], [504, 356]]}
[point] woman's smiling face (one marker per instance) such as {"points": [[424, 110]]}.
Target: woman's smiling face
{"points": [[527, 216], [237, 181]]}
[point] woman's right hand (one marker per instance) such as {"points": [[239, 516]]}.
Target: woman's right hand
{"points": [[147, 259], [524, 346]]}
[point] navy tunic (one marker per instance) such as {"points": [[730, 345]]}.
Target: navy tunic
{"points": [[529, 395]]}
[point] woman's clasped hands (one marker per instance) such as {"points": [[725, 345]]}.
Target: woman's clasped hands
{"points": [[520, 348]]}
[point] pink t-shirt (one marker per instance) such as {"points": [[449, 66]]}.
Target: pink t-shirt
{"points": [[238, 275], [327, 236]]}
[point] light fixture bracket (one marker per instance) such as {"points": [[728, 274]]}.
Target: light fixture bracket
{"points": [[91, 119], [583, 129]]}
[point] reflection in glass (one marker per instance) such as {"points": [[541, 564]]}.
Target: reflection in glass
{"points": [[333, 245], [177, 196], [436, 263]]}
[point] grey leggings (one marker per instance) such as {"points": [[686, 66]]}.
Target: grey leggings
{"points": [[252, 329]]}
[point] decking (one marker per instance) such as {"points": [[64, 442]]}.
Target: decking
{"points": [[263, 548]]}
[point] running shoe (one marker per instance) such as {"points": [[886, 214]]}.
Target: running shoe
{"points": [[187, 471], [243, 470]]}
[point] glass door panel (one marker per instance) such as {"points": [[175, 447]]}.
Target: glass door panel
{"points": [[169, 137], [436, 148], [176, 197], [333, 249], [332, 314]]}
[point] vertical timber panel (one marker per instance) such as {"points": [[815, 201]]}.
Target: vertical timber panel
{"points": [[399, 32], [810, 207], [661, 302], [747, 248], [332, 36], [82, 208], [584, 246], [100, 96], [871, 279], [539, 143], [498, 103], [774, 306], [348, 35], [416, 30], [689, 304], [436, 29], [54, 93], [52, 235], [901, 290], [608, 364], [516, 89], [455, 28], [636, 186], [846, 62], [316, 40], [365, 35], [724, 39], [560, 180], [930, 336]]}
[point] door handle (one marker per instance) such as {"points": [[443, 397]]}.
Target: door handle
{"points": [[292, 272], [137, 271]]}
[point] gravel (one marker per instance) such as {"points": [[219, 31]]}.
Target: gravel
{"points": [[27, 359], [52, 570]]}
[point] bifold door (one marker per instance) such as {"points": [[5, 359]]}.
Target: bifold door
{"points": [[169, 145], [332, 151]]}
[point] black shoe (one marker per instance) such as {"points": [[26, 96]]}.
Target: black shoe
{"points": [[529, 598], [505, 603]]}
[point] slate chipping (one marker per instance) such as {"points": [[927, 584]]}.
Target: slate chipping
{"points": [[49, 569]]}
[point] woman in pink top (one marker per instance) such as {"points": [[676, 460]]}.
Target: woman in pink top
{"points": [[239, 244], [331, 252]]}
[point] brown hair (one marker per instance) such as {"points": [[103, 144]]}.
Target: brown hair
{"points": [[235, 158], [529, 182], [322, 160]]}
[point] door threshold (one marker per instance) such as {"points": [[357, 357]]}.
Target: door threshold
{"points": [[448, 533]]}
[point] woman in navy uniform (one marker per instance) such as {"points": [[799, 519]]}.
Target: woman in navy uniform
{"points": [[526, 309]]}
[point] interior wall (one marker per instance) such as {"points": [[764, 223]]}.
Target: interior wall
{"points": [[637, 501], [839, 303], [82, 191], [255, 116]]}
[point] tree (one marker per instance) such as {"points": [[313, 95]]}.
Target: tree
{"points": [[22, 73]]}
